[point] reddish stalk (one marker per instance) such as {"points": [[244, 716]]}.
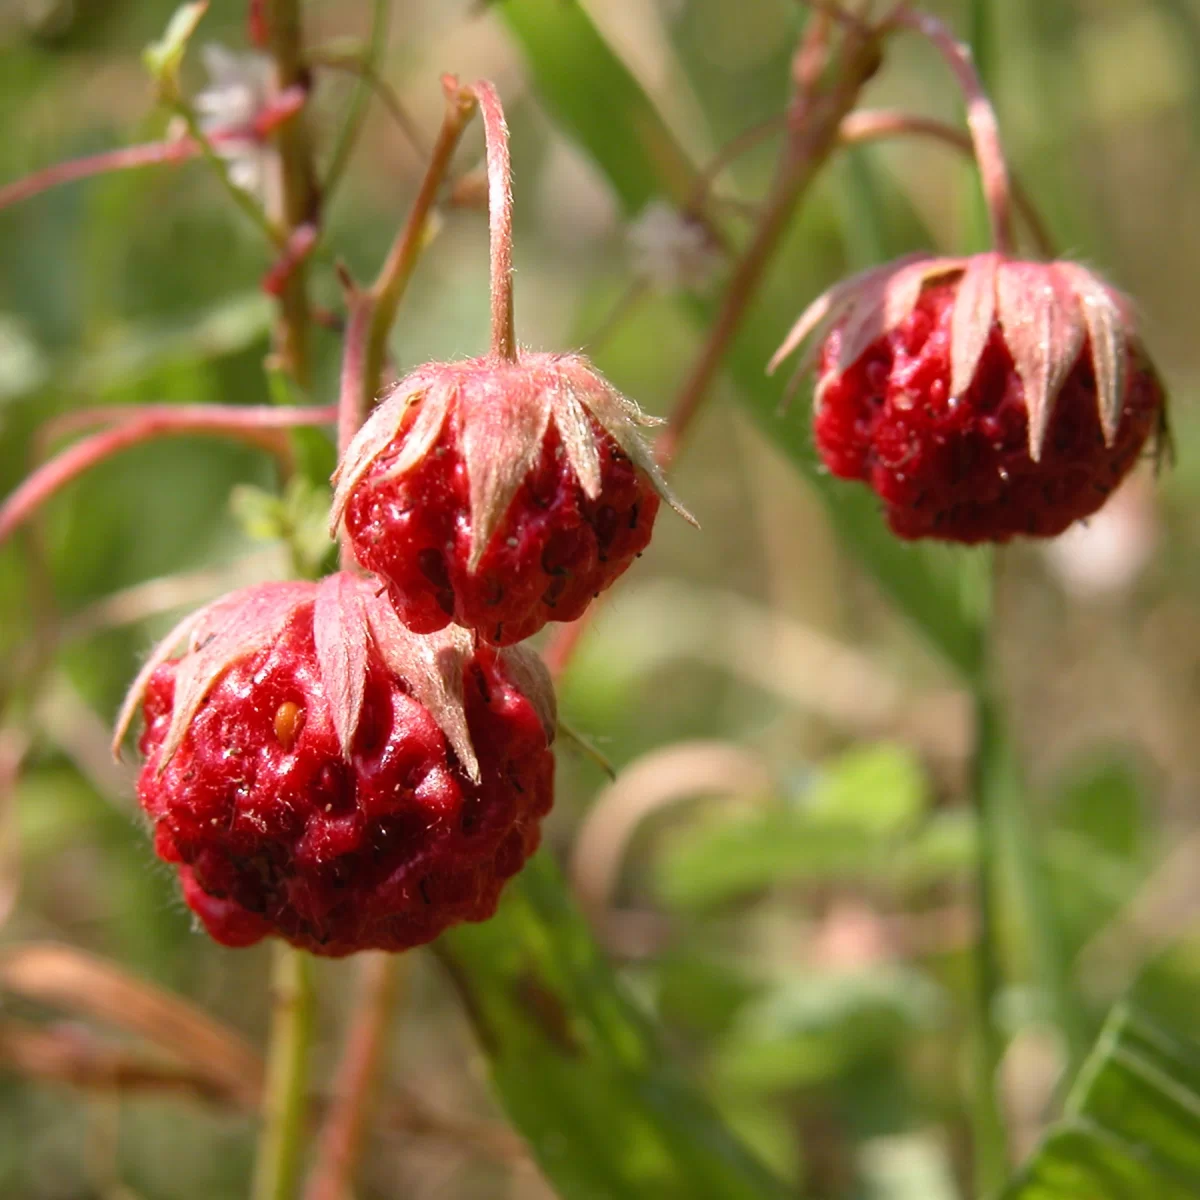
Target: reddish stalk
{"points": [[815, 121], [300, 201], [398, 267], [257, 426], [357, 1080], [125, 158], [981, 120], [500, 219], [357, 388], [150, 154], [362, 68], [370, 317], [870, 125]]}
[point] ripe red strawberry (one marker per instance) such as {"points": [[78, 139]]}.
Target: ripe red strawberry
{"points": [[499, 493], [318, 772], [980, 398]]}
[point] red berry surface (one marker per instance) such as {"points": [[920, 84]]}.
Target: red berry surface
{"points": [[555, 549], [276, 831], [960, 469]]}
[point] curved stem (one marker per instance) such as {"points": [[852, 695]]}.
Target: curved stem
{"points": [[299, 200], [357, 1076], [741, 144], [814, 135], [206, 146], [357, 389], [398, 267], [500, 218], [987, 785], [368, 68], [981, 119], [124, 158], [257, 426], [870, 125], [285, 1098], [358, 384]]}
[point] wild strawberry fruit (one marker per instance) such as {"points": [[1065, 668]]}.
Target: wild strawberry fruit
{"points": [[318, 772], [500, 493], [981, 398]]}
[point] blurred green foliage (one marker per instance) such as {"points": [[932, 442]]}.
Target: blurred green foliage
{"points": [[801, 955]]}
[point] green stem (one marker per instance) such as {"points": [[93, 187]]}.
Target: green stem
{"points": [[239, 196], [285, 1098], [299, 201], [358, 1078], [347, 136], [989, 786]]}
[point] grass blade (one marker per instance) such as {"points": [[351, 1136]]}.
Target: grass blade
{"points": [[579, 1068]]}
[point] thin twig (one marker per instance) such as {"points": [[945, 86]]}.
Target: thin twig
{"points": [[500, 220], [991, 1136], [357, 1078], [124, 158], [398, 267], [80, 983], [285, 1095], [868, 125], [815, 123], [357, 387], [814, 138], [206, 146], [256, 426], [981, 119], [299, 199], [368, 77], [72, 1056]]}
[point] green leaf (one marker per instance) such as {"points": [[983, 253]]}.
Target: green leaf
{"points": [[1132, 1125], [812, 1028], [164, 57], [580, 1069], [721, 860], [299, 519], [847, 825], [595, 99], [879, 789]]}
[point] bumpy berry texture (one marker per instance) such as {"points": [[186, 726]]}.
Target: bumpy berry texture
{"points": [[961, 469], [276, 829], [499, 495], [555, 549], [982, 398]]}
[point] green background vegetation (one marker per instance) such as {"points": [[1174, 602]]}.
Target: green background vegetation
{"points": [[788, 933]]}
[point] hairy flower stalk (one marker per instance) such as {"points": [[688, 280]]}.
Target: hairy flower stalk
{"points": [[142, 423], [981, 398], [505, 491]]}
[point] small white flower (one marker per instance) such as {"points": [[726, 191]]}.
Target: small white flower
{"points": [[239, 88], [670, 250]]}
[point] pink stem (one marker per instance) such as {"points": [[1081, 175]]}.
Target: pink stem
{"points": [[356, 390], [358, 1077], [981, 120], [123, 159], [257, 426], [871, 124], [500, 218], [150, 154]]}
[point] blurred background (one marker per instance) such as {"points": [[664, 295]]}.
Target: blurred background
{"points": [[782, 872]]}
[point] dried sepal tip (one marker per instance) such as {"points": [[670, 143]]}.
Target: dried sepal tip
{"points": [[353, 627], [1046, 312]]}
